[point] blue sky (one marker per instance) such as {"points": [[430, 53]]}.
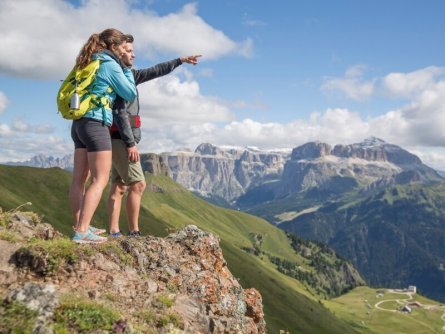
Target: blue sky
{"points": [[273, 74]]}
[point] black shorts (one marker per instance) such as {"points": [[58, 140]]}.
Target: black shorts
{"points": [[91, 134]]}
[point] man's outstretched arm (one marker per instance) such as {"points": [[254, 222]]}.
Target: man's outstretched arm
{"points": [[162, 69]]}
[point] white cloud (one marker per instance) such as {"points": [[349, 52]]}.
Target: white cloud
{"points": [[433, 157], [20, 125], [21, 146], [3, 102], [5, 131], [170, 100], [49, 34], [352, 84], [333, 126], [21, 141], [421, 121], [407, 84]]}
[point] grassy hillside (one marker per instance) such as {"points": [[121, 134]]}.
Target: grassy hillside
{"points": [[394, 236], [372, 311], [289, 305]]}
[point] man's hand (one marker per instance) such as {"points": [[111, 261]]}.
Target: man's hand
{"points": [[133, 154], [191, 59]]}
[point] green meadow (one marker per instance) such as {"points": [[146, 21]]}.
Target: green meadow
{"points": [[370, 312]]}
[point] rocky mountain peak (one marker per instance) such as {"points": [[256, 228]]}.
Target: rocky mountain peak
{"points": [[176, 284], [311, 150], [375, 149], [373, 141], [208, 149]]}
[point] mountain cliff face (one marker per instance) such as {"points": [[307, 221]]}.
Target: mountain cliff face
{"points": [[177, 284], [224, 173], [370, 164], [233, 174]]}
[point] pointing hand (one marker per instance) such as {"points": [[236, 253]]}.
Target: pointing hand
{"points": [[191, 59]]}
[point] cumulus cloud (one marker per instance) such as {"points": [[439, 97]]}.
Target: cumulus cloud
{"points": [[49, 34], [407, 84], [352, 84], [332, 126], [422, 120], [170, 100], [5, 131], [30, 145], [3, 102], [21, 140], [21, 125]]}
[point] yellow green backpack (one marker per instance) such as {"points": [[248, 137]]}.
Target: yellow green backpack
{"points": [[74, 98]]}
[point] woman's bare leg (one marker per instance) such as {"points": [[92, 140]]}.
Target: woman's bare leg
{"points": [[99, 164], [77, 189]]}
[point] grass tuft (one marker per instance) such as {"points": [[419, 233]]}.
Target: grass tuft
{"points": [[16, 318], [83, 315]]}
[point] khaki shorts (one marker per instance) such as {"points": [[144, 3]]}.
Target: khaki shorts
{"points": [[123, 170]]}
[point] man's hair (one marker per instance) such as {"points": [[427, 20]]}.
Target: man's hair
{"points": [[129, 38]]}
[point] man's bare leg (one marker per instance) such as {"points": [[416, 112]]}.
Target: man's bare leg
{"points": [[114, 204], [133, 204]]}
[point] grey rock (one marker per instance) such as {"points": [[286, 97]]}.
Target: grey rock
{"points": [[7, 273], [224, 173], [154, 164], [41, 298]]}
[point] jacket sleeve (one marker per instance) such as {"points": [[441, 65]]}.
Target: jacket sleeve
{"points": [[156, 71], [121, 80], [121, 119]]}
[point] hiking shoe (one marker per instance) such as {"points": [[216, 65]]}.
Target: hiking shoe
{"points": [[96, 230], [88, 238], [117, 234], [134, 234]]}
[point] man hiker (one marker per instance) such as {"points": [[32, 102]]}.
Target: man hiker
{"points": [[126, 172]]}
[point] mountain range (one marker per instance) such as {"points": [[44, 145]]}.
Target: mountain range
{"points": [[231, 176], [375, 203], [43, 161]]}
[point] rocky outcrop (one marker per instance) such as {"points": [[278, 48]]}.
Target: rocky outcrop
{"points": [[374, 149], [177, 284], [311, 150], [154, 164]]}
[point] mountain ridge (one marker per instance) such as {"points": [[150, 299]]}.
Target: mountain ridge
{"points": [[228, 174]]}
